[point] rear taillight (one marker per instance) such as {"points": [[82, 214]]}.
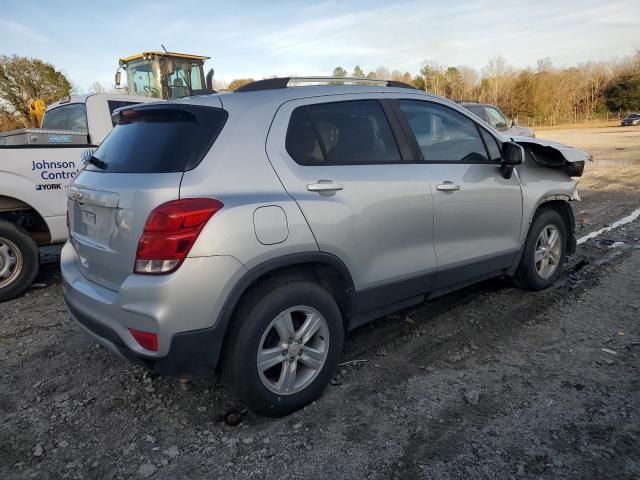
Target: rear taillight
{"points": [[170, 232]]}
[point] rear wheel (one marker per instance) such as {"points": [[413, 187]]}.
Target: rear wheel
{"points": [[284, 346], [19, 260], [544, 251]]}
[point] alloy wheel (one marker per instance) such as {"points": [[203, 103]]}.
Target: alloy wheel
{"points": [[548, 251], [293, 350], [10, 262]]}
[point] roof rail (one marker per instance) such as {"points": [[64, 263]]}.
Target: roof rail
{"points": [[284, 82]]}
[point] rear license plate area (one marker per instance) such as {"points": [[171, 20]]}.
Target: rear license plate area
{"points": [[88, 216]]}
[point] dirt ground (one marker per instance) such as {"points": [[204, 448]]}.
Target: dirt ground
{"points": [[487, 382]]}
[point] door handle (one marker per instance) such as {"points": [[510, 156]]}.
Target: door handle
{"points": [[448, 186], [324, 186]]}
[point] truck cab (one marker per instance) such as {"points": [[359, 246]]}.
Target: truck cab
{"points": [[37, 167]]}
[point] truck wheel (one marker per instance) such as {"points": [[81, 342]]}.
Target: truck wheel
{"points": [[19, 260], [544, 251], [284, 346]]}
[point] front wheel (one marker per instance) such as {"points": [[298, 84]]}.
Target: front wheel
{"points": [[544, 251], [19, 260], [284, 346]]}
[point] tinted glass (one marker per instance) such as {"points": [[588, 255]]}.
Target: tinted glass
{"points": [[159, 140], [354, 132], [492, 145], [443, 134], [477, 110], [302, 143], [68, 117]]}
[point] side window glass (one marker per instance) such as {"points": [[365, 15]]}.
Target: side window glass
{"points": [[492, 145], [478, 111], [354, 132], [301, 142], [344, 133], [69, 117], [443, 134], [496, 118]]}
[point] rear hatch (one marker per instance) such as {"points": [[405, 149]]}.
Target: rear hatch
{"points": [[138, 167]]}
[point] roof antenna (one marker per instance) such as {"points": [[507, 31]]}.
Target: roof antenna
{"points": [[165, 50]]}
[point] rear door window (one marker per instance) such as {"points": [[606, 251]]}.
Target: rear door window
{"points": [[67, 117], [442, 134], [159, 139], [341, 133]]}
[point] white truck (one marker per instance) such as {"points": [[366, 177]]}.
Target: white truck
{"points": [[36, 168]]}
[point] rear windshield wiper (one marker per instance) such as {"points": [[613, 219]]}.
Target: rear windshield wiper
{"points": [[98, 163]]}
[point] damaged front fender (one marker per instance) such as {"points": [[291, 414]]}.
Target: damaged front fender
{"points": [[555, 155]]}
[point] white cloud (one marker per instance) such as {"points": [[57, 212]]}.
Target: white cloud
{"points": [[9, 27]]}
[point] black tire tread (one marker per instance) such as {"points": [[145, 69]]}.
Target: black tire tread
{"points": [[249, 302], [526, 277], [30, 255]]}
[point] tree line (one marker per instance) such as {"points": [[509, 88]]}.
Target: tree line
{"points": [[557, 93], [542, 91]]}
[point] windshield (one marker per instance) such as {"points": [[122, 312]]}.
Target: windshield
{"points": [[68, 117], [496, 118], [181, 77], [164, 77], [143, 78]]}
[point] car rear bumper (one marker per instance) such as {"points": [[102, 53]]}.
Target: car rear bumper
{"points": [[184, 309]]}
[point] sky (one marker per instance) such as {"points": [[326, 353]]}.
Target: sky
{"points": [[264, 38]]}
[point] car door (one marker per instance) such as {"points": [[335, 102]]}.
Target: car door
{"points": [[341, 161], [478, 212]]}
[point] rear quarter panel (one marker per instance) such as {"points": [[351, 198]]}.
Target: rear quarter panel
{"points": [[237, 172]]}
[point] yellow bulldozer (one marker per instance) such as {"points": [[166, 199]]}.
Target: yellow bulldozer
{"points": [[165, 75]]}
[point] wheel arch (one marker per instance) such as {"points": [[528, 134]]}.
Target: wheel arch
{"points": [[559, 203], [316, 266], [22, 214], [325, 269]]}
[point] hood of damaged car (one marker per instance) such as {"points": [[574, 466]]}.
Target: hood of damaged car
{"points": [[551, 149], [554, 155]]}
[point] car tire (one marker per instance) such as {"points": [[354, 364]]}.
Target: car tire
{"points": [[544, 255], [258, 338], [19, 260]]}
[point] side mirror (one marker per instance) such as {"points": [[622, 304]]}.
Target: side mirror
{"points": [[118, 78], [512, 155], [514, 122]]}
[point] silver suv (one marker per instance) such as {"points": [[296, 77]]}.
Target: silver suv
{"points": [[249, 231]]}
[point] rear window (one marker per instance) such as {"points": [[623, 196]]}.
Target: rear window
{"points": [[68, 117], [159, 139]]}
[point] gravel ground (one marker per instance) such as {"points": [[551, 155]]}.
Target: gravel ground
{"points": [[488, 382]]}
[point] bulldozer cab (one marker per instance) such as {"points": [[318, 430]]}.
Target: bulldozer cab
{"points": [[165, 75]]}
